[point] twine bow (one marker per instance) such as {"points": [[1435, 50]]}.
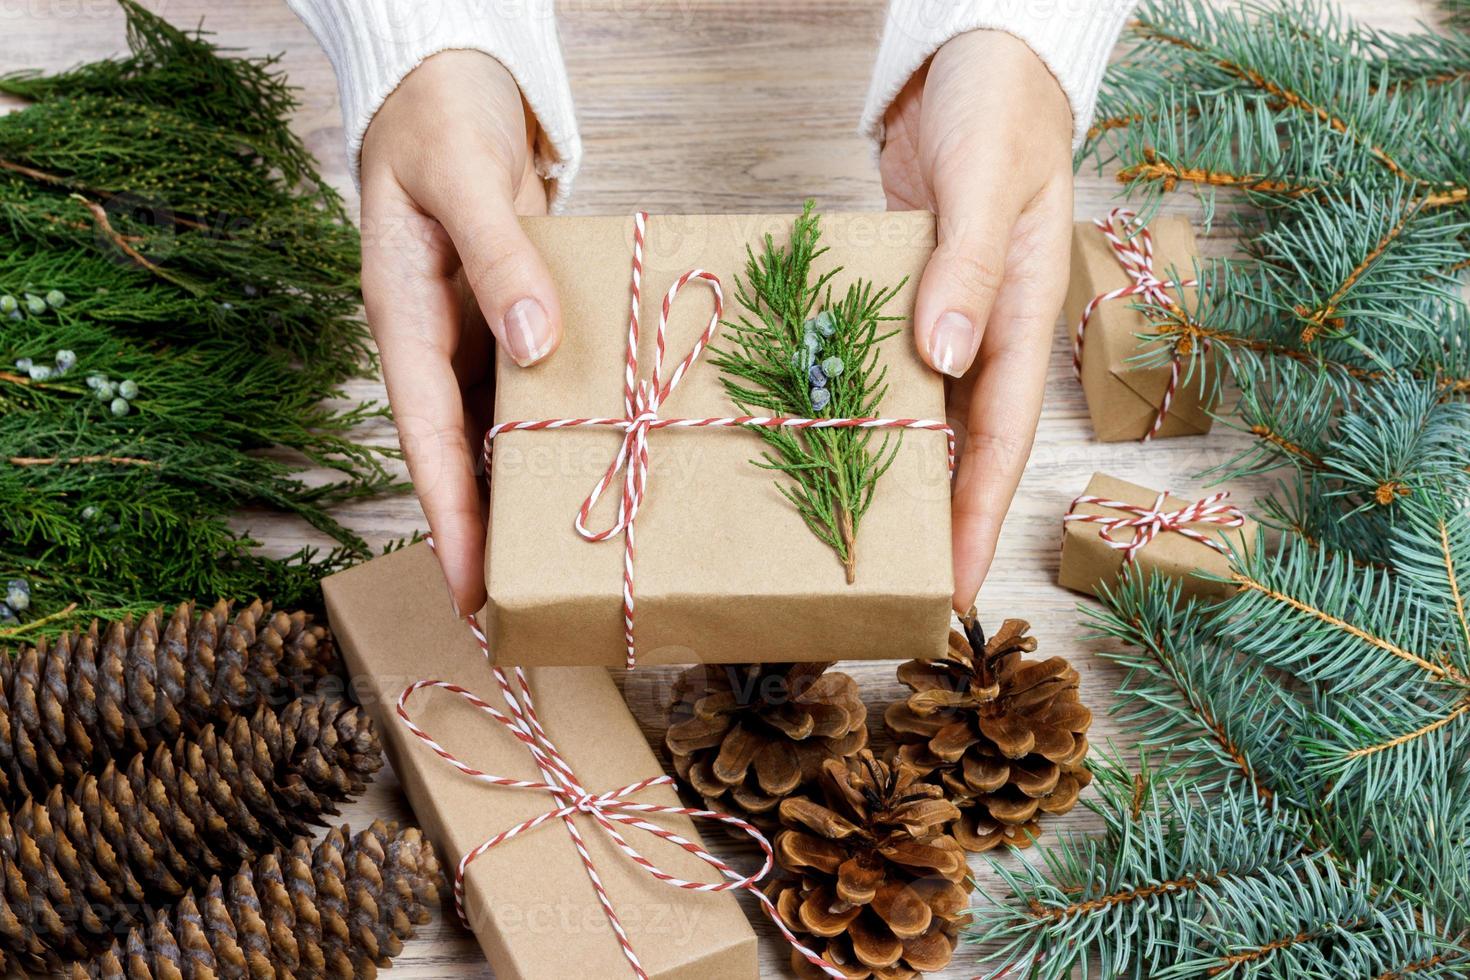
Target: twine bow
{"points": [[642, 400], [1136, 256], [608, 809], [1147, 523]]}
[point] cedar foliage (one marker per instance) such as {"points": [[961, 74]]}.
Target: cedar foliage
{"points": [[1303, 806], [189, 247]]}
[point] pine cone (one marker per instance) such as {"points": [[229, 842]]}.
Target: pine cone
{"points": [[1004, 735], [83, 862], [341, 910], [67, 708], [879, 891], [745, 736]]}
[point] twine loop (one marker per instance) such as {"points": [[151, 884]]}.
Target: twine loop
{"points": [[1147, 523], [1135, 253], [642, 401]]}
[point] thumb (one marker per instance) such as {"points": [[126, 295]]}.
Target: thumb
{"points": [[961, 280], [512, 285]]}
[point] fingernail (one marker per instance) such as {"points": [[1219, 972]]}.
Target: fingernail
{"points": [[952, 343], [527, 335]]}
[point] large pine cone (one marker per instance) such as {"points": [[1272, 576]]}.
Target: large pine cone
{"points": [[70, 706], [879, 892], [341, 911], [745, 736], [1006, 736], [85, 860]]}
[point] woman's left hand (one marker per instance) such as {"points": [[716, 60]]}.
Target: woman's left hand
{"points": [[983, 137]]}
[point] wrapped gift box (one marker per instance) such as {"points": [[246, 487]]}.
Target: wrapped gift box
{"points": [[529, 900], [726, 570], [1090, 563], [1123, 385]]}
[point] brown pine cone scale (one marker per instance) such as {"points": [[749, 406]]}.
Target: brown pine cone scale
{"points": [[82, 862], [745, 736], [340, 910], [879, 889], [69, 706], [1004, 735]]}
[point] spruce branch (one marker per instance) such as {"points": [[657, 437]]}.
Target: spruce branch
{"points": [[798, 351]]}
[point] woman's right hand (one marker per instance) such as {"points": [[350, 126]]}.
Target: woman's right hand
{"points": [[447, 169]]}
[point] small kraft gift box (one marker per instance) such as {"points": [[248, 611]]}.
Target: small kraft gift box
{"points": [[1134, 390], [524, 886], [629, 429], [1115, 524]]}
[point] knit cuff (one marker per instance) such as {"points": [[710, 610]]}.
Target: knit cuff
{"points": [[374, 44], [1073, 38]]}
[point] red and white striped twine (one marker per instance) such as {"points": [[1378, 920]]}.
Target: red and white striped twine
{"points": [[1136, 256], [1147, 523], [641, 403], [607, 809]]}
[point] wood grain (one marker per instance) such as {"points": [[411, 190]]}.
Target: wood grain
{"points": [[707, 106]]}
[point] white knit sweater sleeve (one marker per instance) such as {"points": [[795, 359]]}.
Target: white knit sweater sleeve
{"points": [[1071, 37], [373, 44]]}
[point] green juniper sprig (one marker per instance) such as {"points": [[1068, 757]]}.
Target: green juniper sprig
{"points": [[178, 304], [798, 352]]}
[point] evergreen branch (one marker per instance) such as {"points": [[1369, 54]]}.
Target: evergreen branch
{"points": [[799, 353], [1423, 730], [1326, 618]]}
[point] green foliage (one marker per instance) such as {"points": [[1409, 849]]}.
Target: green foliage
{"points": [[1307, 813], [831, 473], [195, 253]]}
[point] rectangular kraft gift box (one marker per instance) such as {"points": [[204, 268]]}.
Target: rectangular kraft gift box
{"points": [[726, 570], [1088, 563], [1123, 395], [530, 903]]}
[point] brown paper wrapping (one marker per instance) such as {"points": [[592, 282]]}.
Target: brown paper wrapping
{"points": [[530, 902], [1123, 397], [726, 571], [1088, 563]]}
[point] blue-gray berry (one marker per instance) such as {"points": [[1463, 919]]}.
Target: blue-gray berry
{"points": [[812, 343], [820, 398], [128, 389], [833, 366], [826, 326], [65, 360], [23, 364], [35, 305], [801, 359], [55, 298], [41, 372], [8, 304], [106, 391], [119, 407], [816, 376], [95, 381], [88, 513], [18, 594]]}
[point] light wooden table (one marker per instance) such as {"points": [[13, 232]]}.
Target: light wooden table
{"points": [[710, 106]]}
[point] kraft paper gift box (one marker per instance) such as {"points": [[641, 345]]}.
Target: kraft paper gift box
{"points": [[1124, 391], [530, 902], [726, 570], [1089, 563]]}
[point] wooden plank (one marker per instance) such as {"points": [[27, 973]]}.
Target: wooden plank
{"points": [[706, 106]]}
